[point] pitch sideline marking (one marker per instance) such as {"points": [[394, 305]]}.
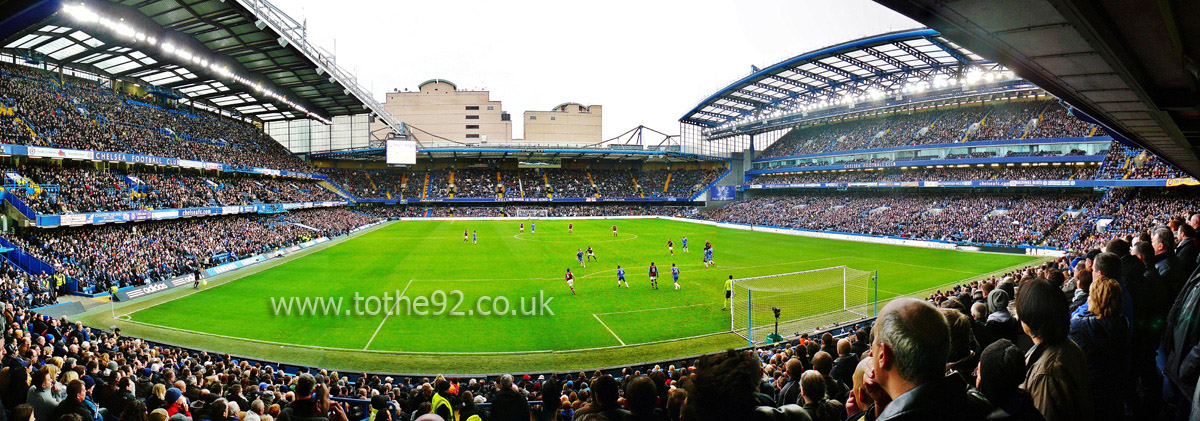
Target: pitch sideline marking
{"points": [[239, 274], [649, 309], [386, 314], [609, 329], [517, 236]]}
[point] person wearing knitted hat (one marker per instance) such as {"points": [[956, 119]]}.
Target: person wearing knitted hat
{"points": [[1000, 322], [176, 403]]}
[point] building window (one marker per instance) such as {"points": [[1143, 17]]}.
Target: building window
{"points": [[472, 108], [472, 127], [473, 136], [490, 108], [472, 117], [551, 118], [533, 117]]}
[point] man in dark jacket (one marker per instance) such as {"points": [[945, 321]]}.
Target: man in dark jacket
{"points": [[1170, 268], [1185, 247], [1146, 331], [507, 404], [1181, 346], [843, 366], [907, 376], [790, 392], [74, 403], [304, 408]]}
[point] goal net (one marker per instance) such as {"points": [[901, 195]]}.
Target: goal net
{"points": [[806, 300], [532, 213]]}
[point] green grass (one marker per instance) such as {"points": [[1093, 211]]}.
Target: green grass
{"points": [[235, 314]]}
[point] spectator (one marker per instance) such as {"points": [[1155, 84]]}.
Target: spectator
{"points": [[790, 392], [999, 380], [1056, 373], [907, 378], [724, 387], [816, 402], [507, 404], [843, 366], [1102, 333]]}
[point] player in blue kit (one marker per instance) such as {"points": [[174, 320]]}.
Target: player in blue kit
{"points": [[675, 275], [532, 228], [579, 256], [683, 243], [653, 276], [708, 260], [475, 237], [621, 277]]}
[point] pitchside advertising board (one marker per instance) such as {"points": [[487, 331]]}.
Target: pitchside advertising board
{"points": [[401, 152]]}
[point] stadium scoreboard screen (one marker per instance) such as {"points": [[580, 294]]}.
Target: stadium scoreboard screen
{"points": [[401, 152]]}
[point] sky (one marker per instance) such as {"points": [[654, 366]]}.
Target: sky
{"points": [[646, 62]]}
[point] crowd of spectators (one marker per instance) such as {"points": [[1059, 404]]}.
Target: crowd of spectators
{"points": [[1046, 172], [1011, 120], [75, 113], [60, 187], [392, 212], [492, 183], [1002, 219], [135, 254]]}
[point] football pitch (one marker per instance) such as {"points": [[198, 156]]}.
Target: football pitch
{"points": [[464, 328]]}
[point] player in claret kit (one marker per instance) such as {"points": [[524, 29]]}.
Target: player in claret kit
{"points": [[522, 228], [614, 230], [653, 276], [570, 228], [591, 254], [571, 281], [671, 247], [621, 277], [465, 235]]}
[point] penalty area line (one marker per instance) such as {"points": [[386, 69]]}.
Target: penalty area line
{"points": [[387, 313], [609, 329]]}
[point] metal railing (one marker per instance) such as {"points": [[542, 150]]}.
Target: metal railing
{"points": [[295, 33]]}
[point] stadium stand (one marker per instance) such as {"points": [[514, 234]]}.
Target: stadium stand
{"points": [[63, 187], [1000, 219], [1017, 120], [74, 114]]}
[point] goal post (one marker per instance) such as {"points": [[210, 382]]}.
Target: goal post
{"points": [[806, 300], [532, 213]]}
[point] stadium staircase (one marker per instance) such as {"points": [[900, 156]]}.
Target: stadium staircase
{"points": [[499, 185], [637, 187], [425, 189], [453, 188], [667, 184]]}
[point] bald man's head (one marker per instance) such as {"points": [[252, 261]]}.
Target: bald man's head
{"points": [[917, 338], [843, 347]]}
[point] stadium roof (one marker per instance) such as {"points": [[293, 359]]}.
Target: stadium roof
{"points": [[236, 55], [870, 67], [1132, 65]]}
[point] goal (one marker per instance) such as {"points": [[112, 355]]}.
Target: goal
{"points": [[532, 213], [806, 300]]}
